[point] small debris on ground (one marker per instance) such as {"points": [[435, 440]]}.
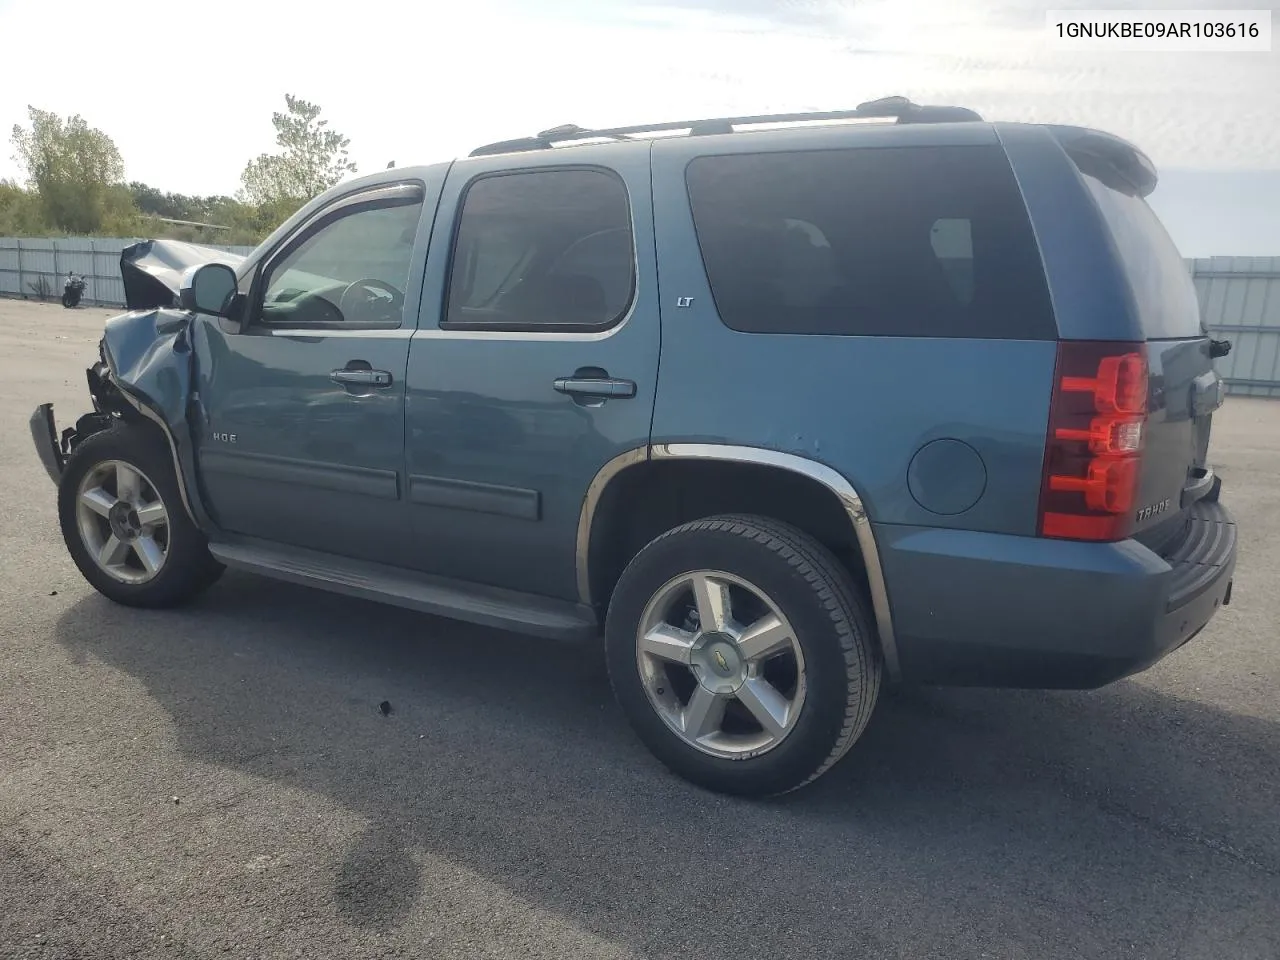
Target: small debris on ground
{"points": [[174, 800], [53, 593], [384, 707]]}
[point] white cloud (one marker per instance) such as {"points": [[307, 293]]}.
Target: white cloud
{"points": [[188, 94]]}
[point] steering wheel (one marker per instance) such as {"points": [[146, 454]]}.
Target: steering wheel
{"points": [[350, 302]]}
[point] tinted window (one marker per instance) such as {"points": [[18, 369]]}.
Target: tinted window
{"points": [[544, 249], [319, 280], [885, 242], [1163, 290]]}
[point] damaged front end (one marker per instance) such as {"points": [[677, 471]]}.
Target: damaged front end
{"points": [[52, 449], [144, 370]]}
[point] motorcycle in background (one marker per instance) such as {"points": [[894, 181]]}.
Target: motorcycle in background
{"points": [[72, 290]]}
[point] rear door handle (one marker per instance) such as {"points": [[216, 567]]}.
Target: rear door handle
{"points": [[361, 377], [603, 387]]}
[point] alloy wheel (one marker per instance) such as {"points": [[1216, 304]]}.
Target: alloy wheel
{"points": [[720, 664], [123, 522]]}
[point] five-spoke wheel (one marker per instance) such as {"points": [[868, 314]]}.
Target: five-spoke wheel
{"points": [[124, 522], [721, 664], [741, 651]]}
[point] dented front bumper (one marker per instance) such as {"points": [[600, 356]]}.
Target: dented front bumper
{"points": [[44, 434], [53, 448]]}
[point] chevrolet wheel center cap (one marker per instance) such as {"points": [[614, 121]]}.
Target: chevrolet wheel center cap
{"points": [[718, 663], [725, 659]]}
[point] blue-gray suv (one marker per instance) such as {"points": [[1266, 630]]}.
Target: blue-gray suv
{"points": [[778, 405]]}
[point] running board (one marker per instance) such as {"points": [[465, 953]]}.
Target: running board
{"points": [[475, 603]]}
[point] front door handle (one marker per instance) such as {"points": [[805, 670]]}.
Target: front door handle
{"points": [[607, 388], [358, 374]]}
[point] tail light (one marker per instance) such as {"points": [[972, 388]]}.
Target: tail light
{"points": [[1093, 453]]}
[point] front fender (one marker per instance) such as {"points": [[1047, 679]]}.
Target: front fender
{"points": [[150, 361], [148, 353]]}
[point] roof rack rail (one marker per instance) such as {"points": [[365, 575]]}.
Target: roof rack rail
{"points": [[898, 108]]}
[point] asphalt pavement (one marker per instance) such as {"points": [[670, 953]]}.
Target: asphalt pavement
{"points": [[219, 781]]}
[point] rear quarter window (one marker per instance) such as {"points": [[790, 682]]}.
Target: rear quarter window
{"points": [[897, 241], [1163, 292]]}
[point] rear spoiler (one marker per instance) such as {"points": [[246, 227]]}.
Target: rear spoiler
{"points": [[1113, 160], [152, 270]]}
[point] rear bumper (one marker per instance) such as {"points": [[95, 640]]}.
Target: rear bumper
{"points": [[994, 610], [44, 434]]}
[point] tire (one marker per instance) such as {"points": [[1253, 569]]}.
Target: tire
{"points": [[827, 670], [93, 475]]}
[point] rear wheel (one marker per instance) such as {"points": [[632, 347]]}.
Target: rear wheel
{"points": [[742, 654], [124, 522]]}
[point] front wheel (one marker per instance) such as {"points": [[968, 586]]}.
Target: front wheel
{"points": [[124, 522], [742, 654]]}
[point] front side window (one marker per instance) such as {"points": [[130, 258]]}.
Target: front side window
{"points": [[542, 250], [353, 269]]}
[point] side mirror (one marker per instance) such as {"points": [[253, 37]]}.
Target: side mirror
{"points": [[208, 288]]}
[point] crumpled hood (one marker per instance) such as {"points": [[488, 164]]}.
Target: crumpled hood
{"points": [[152, 270]]}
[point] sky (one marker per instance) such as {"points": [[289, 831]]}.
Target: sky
{"points": [[187, 93]]}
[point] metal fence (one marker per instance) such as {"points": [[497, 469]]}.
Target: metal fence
{"points": [[1239, 296], [25, 262], [1240, 301]]}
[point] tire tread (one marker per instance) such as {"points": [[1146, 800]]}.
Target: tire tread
{"points": [[834, 589]]}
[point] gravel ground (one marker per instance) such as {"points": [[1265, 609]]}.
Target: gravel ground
{"points": [[219, 782]]}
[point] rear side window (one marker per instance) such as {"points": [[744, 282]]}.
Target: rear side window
{"points": [[1163, 291], [898, 242], [542, 250]]}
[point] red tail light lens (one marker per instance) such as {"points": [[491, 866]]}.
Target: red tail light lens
{"points": [[1093, 454], [1119, 384]]}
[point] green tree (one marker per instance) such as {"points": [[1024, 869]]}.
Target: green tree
{"points": [[75, 169], [314, 158], [178, 206], [150, 201], [20, 213], [243, 223]]}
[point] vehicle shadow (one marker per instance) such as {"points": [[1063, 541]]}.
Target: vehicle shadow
{"points": [[1021, 823]]}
